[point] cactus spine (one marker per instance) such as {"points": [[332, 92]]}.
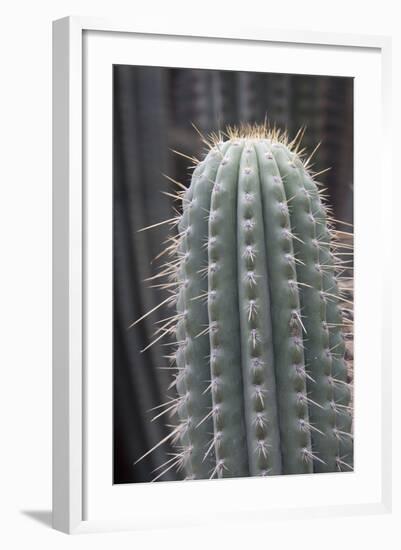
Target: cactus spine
{"points": [[261, 376]]}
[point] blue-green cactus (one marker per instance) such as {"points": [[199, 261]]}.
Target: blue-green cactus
{"points": [[261, 376]]}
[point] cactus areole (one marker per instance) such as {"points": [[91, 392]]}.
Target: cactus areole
{"points": [[260, 370]]}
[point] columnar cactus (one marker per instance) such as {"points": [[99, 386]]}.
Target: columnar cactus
{"points": [[260, 370]]}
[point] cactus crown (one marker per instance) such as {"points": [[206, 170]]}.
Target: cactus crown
{"points": [[256, 131], [254, 274]]}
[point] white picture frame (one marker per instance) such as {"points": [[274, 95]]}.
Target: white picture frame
{"points": [[83, 51]]}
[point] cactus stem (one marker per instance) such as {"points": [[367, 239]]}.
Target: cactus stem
{"points": [[254, 225]]}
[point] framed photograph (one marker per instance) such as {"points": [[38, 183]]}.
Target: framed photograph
{"points": [[219, 329]]}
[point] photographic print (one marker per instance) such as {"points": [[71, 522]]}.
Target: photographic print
{"points": [[232, 274]]}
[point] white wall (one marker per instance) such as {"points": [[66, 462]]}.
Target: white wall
{"points": [[25, 218]]}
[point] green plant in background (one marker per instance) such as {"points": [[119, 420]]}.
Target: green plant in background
{"points": [[254, 275]]}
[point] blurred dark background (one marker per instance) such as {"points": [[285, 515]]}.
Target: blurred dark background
{"points": [[153, 109]]}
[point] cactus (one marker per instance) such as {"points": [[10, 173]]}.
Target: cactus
{"points": [[261, 376]]}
